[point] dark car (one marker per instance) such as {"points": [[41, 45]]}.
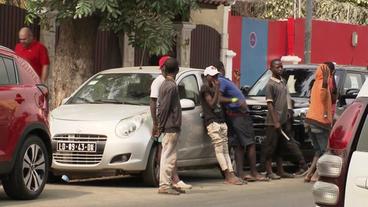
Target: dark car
{"points": [[343, 169], [25, 150], [299, 80]]}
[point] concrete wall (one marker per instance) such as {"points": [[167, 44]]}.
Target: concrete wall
{"points": [[209, 16]]}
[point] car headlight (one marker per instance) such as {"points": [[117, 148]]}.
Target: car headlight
{"points": [[127, 126]]}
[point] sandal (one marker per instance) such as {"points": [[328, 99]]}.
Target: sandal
{"points": [[250, 178]]}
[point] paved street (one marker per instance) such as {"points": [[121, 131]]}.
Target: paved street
{"points": [[208, 191]]}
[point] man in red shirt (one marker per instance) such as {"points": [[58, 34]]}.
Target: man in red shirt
{"points": [[34, 52]]}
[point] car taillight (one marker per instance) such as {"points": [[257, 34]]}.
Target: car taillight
{"points": [[342, 131]]}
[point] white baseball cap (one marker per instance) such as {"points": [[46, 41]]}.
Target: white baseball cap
{"points": [[211, 70]]}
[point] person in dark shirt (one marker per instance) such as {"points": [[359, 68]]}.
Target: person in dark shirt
{"points": [[241, 124], [214, 121], [279, 112], [169, 114]]}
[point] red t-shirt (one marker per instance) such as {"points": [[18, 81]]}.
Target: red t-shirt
{"points": [[35, 54]]}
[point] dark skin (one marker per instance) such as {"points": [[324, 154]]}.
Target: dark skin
{"points": [[155, 128], [212, 101], [239, 150], [277, 70]]}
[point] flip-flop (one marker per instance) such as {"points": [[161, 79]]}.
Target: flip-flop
{"points": [[250, 178], [239, 182]]}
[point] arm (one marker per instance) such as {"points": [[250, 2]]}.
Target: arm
{"points": [[45, 72], [45, 62], [212, 101], [153, 108], [271, 109], [275, 117], [165, 107]]}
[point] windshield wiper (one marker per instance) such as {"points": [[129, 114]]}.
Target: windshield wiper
{"points": [[131, 103], [84, 99], [112, 101]]}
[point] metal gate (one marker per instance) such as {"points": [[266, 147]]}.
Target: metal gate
{"points": [[205, 47], [11, 20]]}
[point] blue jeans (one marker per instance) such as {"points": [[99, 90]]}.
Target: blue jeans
{"points": [[319, 138]]}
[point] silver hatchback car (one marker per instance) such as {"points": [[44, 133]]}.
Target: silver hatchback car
{"points": [[105, 125]]}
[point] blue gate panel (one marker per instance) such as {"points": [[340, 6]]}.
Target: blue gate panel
{"points": [[253, 50]]}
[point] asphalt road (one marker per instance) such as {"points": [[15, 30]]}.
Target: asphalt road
{"points": [[208, 190]]}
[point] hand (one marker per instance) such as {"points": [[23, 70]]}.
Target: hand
{"points": [[155, 131], [325, 73], [216, 83], [277, 125], [290, 114]]}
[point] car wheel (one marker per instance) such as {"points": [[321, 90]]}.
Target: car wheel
{"points": [[29, 175], [151, 175]]}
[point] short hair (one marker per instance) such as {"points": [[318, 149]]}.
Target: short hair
{"points": [[219, 65], [330, 65], [274, 61], [171, 65]]}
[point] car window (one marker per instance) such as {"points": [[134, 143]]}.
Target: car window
{"points": [[298, 81], [4, 77], [188, 88], [119, 88], [10, 67], [353, 80], [363, 137]]}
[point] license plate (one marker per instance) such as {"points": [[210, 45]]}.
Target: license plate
{"points": [[77, 146], [260, 139]]}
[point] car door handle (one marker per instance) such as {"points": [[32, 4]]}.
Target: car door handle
{"points": [[19, 98], [362, 182]]}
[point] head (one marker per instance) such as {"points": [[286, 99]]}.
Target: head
{"points": [[171, 67], [211, 73], [162, 61], [220, 67], [25, 36], [331, 66], [276, 67]]}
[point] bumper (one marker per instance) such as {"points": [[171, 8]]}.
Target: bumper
{"points": [[112, 153]]}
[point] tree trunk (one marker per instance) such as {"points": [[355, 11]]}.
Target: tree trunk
{"points": [[74, 58]]}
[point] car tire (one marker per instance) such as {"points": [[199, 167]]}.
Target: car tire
{"points": [[151, 175], [30, 171]]}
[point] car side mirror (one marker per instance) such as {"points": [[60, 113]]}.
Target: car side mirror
{"points": [[187, 104], [245, 89], [351, 93]]}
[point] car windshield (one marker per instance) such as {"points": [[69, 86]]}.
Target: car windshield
{"points": [[298, 81], [116, 88]]}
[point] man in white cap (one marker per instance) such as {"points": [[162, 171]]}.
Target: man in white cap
{"points": [[214, 120]]}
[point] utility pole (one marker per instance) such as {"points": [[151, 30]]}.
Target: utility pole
{"points": [[308, 32]]}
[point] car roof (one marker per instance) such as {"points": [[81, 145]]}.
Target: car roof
{"points": [[144, 69], [338, 67]]}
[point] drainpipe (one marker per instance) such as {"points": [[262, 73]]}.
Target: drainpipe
{"points": [[308, 32], [226, 55]]}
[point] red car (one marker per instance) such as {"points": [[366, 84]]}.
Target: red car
{"points": [[25, 150], [343, 169]]}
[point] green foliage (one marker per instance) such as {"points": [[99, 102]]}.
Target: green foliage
{"points": [[350, 11], [148, 23]]}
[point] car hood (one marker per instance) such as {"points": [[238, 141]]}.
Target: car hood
{"points": [[97, 112], [261, 100]]}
